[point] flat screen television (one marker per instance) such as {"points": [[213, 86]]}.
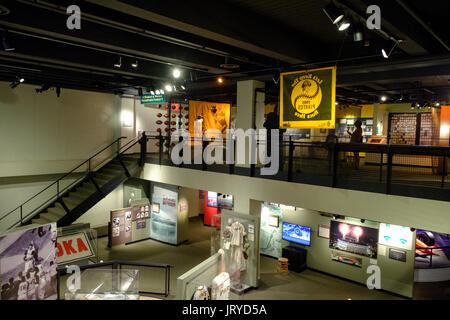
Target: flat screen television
{"points": [[297, 234]]}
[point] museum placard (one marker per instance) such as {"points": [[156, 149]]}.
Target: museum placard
{"points": [[307, 99]]}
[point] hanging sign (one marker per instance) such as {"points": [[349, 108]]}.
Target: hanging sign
{"points": [[149, 99], [307, 99]]}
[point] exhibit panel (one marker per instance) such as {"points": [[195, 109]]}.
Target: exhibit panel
{"points": [[164, 220], [271, 230], [28, 263]]}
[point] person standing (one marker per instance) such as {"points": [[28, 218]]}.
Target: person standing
{"points": [[356, 137]]}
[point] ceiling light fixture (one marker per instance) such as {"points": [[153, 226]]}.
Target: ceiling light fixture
{"points": [[176, 73], [358, 34], [183, 87], [17, 82], [220, 80], [135, 64], [333, 12], [343, 25], [152, 92], [157, 92], [119, 63], [161, 91], [387, 54], [168, 88], [384, 98]]}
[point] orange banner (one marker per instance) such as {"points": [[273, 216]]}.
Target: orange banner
{"points": [[211, 116]]}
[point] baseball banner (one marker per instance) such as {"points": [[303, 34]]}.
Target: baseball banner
{"points": [[307, 99]]}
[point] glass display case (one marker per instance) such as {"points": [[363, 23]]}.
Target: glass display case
{"points": [[106, 284]]}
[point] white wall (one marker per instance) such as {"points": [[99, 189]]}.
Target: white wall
{"points": [[43, 134]]}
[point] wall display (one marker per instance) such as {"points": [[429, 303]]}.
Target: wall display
{"points": [[213, 115], [212, 199], [307, 99], [155, 207], [121, 226], [164, 223], [141, 211], [323, 232], [429, 254], [297, 234], [226, 202], [342, 258], [398, 255], [355, 239], [74, 247], [141, 224], [396, 236], [271, 231], [28, 262]]}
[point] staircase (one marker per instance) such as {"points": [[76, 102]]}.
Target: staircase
{"points": [[79, 190], [88, 193]]}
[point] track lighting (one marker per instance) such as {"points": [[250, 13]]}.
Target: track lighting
{"points": [[152, 92], [358, 34], [176, 73], [161, 91], [386, 54], [333, 12], [5, 44], [119, 63], [343, 25], [168, 88], [17, 82], [157, 92], [135, 64]]}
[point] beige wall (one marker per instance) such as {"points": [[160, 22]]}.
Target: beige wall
{"points": [[411, 212], [43, 134]]}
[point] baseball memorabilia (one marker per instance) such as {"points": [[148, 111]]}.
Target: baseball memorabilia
{"points": [[307, 99], [221, 287]]}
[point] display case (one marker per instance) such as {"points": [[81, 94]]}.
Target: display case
{"points": [[106, 285]]}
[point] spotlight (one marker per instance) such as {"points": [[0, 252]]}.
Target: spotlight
{"points": [[343, 25], [336, 103], [183, 87], [6, 44], [384, 98], [135, 64], [119, 63], [333, 12], [161, 91], [43, 88], [413, 106], [386, 54], [168, 88], [152, 93], [437, 104], [157, 92], [16, 82], [176, 73], [220, 80], [358, 33]]}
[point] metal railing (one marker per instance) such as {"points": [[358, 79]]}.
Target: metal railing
{"points": [[414, 171], [431, 255], [117, 265], [58, 188]]}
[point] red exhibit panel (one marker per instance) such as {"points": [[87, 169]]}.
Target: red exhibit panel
{"points": [[211, 207]]}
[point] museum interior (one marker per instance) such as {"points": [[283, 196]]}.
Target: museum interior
{"points": [[232, 150]]}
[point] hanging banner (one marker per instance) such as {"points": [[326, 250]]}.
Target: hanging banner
{"points": [[151, 99], [307, 99], [211, 115]]}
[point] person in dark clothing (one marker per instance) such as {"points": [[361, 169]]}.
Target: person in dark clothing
{"points": [[356, 137], [273, 123]]}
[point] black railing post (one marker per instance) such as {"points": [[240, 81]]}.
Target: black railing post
{"points": [[57, 189], [335, 163], [180, 140], [291, 159], [89, 165], [389, 171], [161, 147]]}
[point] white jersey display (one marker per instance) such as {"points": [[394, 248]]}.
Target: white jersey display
{"points": [[201, 293], [220, 288]]}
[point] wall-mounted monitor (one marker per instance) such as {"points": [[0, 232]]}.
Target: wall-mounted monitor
{"points": [[297, 234]]}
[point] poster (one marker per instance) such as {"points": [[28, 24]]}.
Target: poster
{"points": [[28, 264], [74, 247], [354, 239], [212, 199], [211, 116], [271, 231], [163, 225], [347, 259], [432, 250], [226, 202], [396, 236], [307, 99], [121, 222]]}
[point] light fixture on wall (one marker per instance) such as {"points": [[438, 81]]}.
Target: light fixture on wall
{"points": [[17, 82]]}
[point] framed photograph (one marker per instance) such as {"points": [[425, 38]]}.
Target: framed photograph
{"points": [[323, 232], [116, 222], [274, 221], [128, 215], [212, 199], [115, 232], [138, 215], [155, 207]]}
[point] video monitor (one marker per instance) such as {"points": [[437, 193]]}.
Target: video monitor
{"points": [[297, 234]]}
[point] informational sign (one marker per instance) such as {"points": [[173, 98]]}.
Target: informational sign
{"points": [[150, 99], [212, 199], [74, 247], [307, 99], [323, 232], [121, 222], [396, 236], [398, 255]]}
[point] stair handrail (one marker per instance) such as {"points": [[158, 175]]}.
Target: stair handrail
{"points": [[117, 141]]}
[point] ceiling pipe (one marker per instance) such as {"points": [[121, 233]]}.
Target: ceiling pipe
{"points": [[422, 23]]}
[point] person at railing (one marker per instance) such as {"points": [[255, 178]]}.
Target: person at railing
{"points": [[272, 122], [356, 137]]}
